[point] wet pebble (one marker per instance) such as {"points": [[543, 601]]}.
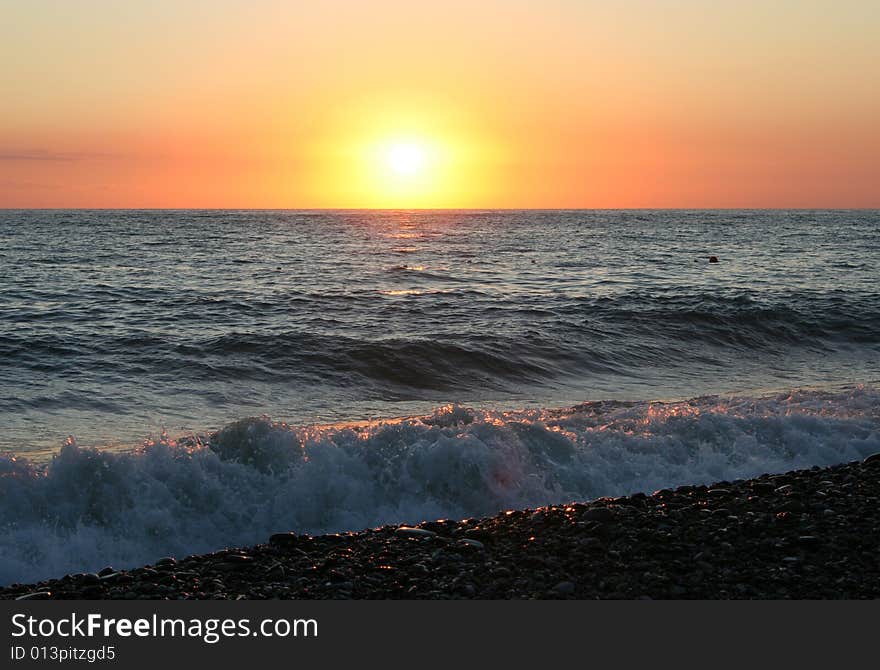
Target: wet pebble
{"points": [[564, 588], [406, 531]]}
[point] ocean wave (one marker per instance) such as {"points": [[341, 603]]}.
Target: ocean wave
{"points": [[740, 318], [87, 508], [497, 346], [443, 363]]}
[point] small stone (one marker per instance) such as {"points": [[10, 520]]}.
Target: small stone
{"points": [[591, 543], [564, 588], [103, 572], [407, 531], [167, 560], [276, 572], [793, 506], [284, 540], [600, 514], [36, 595], [336, 576], [470, 542], [238, 559], [873, 459]]}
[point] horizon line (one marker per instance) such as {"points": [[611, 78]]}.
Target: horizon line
{"points": [[442, 209]]}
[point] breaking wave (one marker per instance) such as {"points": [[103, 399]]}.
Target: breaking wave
{"points": [[89, 508]]}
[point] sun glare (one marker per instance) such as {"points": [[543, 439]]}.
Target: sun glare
{"points": [[406, 159], [395, 151], [407, 166], [406, 171]]}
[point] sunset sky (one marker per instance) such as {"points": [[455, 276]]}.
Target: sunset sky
{"points": [[559, 103]]}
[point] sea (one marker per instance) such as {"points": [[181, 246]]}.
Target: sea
{"points": [[179, 381]]}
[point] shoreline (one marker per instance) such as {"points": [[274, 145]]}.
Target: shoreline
{"points": [[804, 534], [43, 455]]}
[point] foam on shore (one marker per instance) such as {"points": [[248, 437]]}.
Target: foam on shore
{"points": [[89, 508]]}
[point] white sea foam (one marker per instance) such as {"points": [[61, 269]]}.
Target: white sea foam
{"points": [[88, 508]]}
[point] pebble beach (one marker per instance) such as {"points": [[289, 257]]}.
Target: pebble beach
{"points": [[806, 534]]}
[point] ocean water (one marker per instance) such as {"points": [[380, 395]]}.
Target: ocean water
{"points": [[179, 381]]}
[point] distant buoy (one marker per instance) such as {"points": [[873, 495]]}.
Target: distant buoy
{"points": [[713, 259]]}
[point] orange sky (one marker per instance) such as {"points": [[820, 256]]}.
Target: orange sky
{"points": [[562, 103]]}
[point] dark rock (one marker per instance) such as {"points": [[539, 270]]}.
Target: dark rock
{"points": [[284, 540], [600, 514], [407, 531], [234, 562], [276, 572], [793, 506], [565, 588], [591, 544], [873, 459], [238, 558], [36, 595]]}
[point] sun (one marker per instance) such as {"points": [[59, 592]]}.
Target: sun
{"points": [[406, 158], [404, 169]]}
